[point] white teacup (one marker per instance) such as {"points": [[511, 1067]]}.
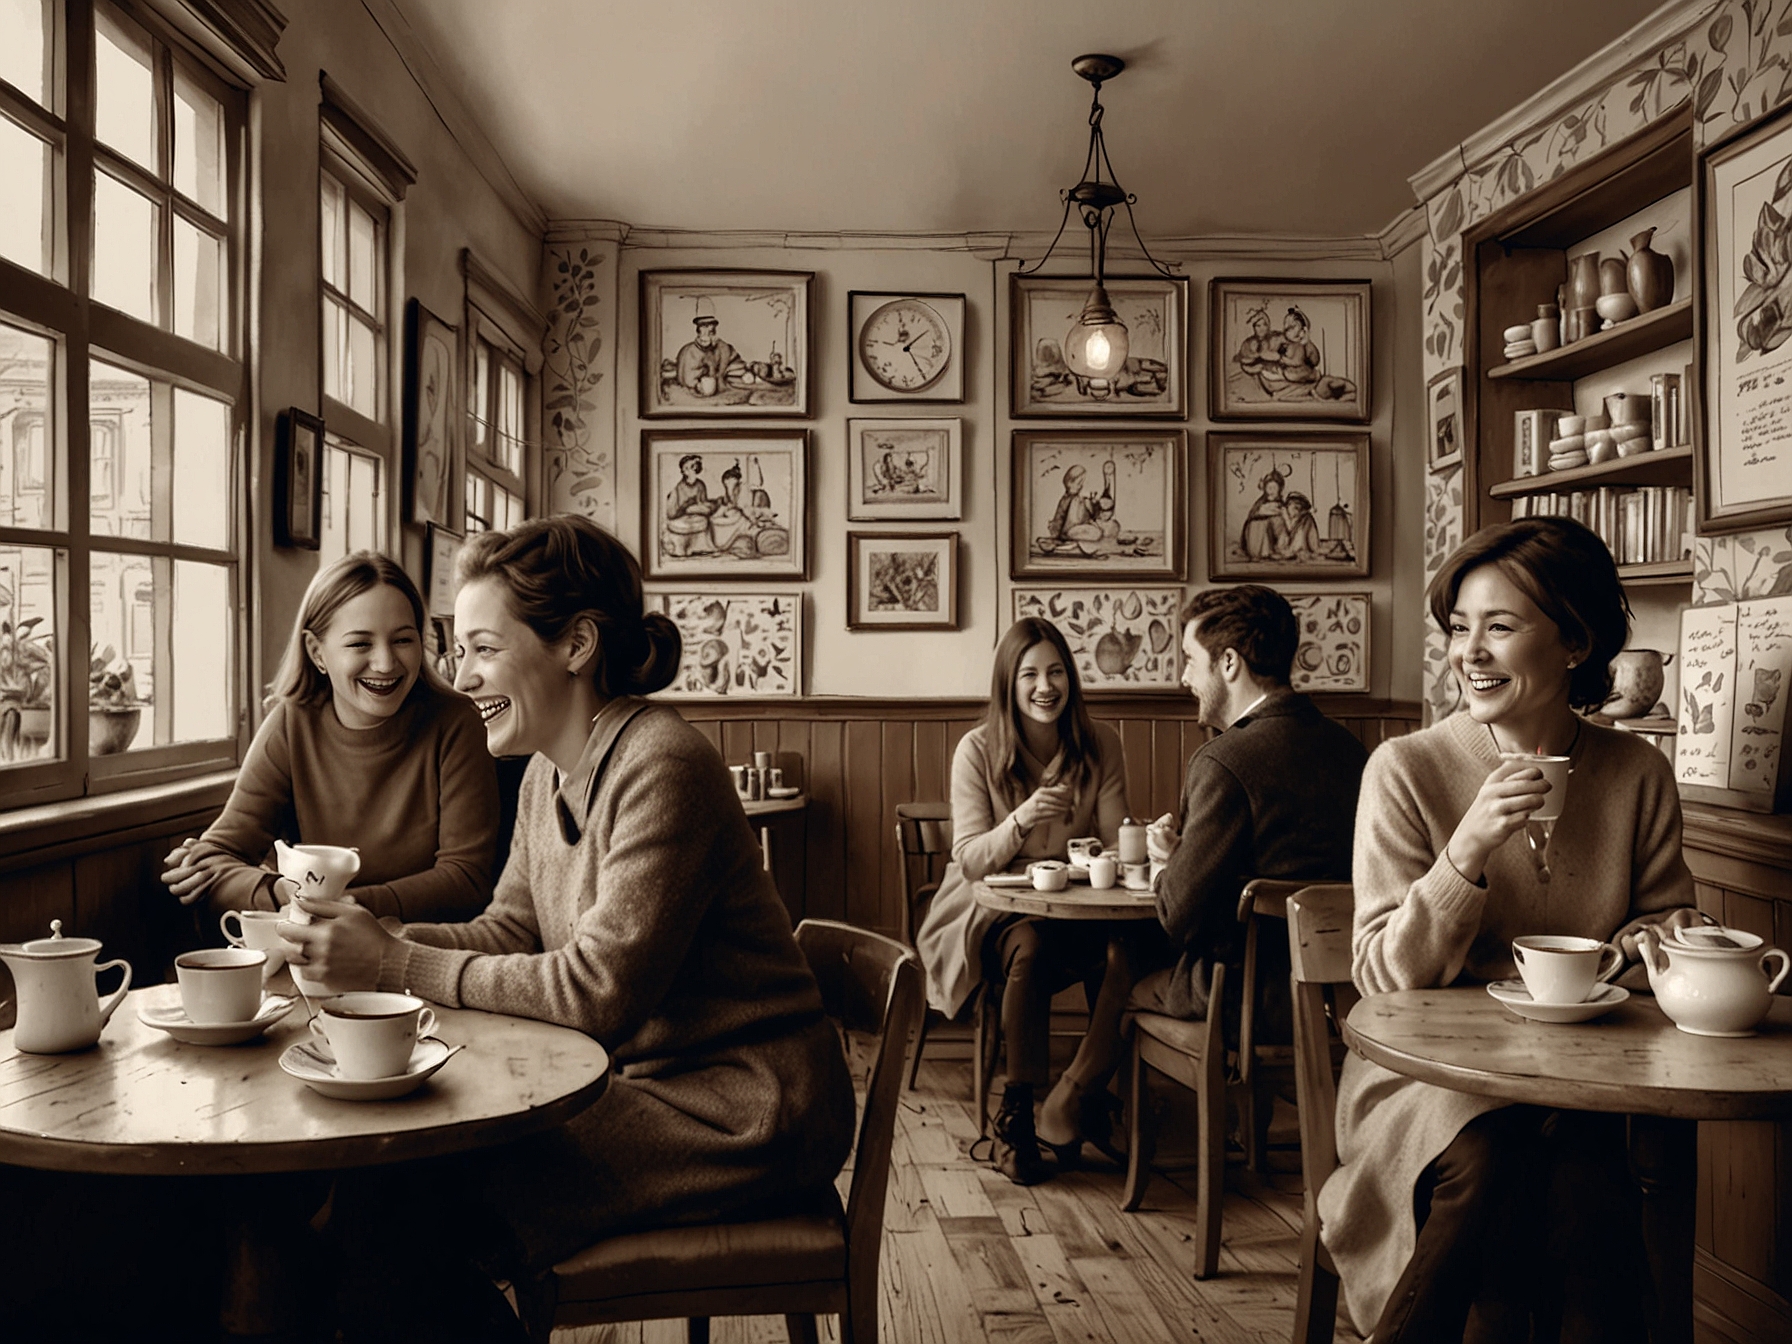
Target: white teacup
{"points": [[1555, 772], [1049, 875], [259, 930], [1103, 871], [1561, 969], [1136, 876], [1083, 848], [220, 985], [372, 1034]]}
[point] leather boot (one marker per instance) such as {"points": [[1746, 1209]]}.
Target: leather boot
{"points": [[1015, 1150]]}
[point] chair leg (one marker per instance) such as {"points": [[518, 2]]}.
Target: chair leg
{"points": [[914, 1063], [1248, 1127], [986, 1026], [1316, 1292], [1210, 1185], [1141, 1130], [802, 1330], [696, 1330]]}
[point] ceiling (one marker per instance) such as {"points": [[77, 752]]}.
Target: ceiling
{"points": [[1299, 117]]}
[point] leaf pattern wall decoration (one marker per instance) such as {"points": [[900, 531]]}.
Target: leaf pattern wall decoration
{"points": [[580, 457]]}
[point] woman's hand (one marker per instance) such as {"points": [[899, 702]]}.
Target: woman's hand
{"points": [[1050, 802], [1505, 802], [1161, 839], [185, 879], [1629, 938], [342, 945]]}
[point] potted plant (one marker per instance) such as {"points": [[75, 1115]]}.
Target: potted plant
{"points": [[27, 674], [113, 709]]}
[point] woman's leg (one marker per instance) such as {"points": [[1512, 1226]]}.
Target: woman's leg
{"points": [[1013, 957], [1595, 1229], [1097, 1054]]}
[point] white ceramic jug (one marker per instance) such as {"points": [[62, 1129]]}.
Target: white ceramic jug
{"points": [[320, 871], [1712, 981], [59, 1004]]}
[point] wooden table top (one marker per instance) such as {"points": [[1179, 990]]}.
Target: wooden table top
{"points": [[1077, 901], [1633, 1060], [142, 1103], [759, 807]]}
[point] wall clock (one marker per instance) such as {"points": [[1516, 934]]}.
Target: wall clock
{"points": [[906, 347]]}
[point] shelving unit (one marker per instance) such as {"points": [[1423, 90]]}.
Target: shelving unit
{"points": [[1641, 335], [1668, 466]]}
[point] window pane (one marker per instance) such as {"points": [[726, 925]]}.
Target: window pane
{"points": [[121, 456], [29, 659], [354, 512], [27, 444], [362, 368], [198, 285], [201, 470], [510, 419], [25, 29], [25, 169], [508, 508], [198, 143], [481, 402], [124, 233], [364, 491], [333, 233], [124, 94], [478, 505], [121, 611], [363, 258], [203, 707], [335, 349]]}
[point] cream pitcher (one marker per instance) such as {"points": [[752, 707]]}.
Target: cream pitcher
{"points": [[319, 871], [59, 1003]]}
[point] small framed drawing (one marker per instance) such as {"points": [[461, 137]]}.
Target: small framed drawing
{"points": [[1334, 641], [1290, 350], [735, 644], [1098, 504], [904, 469], [725, 503], [902, 580], [905, 347], [1288, 506], [443, 551], [1121, 638], [733, 343], [1443, 449], [1153, 381], [432, 420], [299, 481]]}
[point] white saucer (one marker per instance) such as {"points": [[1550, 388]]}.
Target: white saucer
{"points": [[1078, 873], [306, 1061], [1008, 880], [783, 791], [172, 1018], [1515, 996]]}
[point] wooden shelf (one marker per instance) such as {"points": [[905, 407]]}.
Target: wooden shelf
{"points": [[1666, 466], [1661, 572], [1627, 340]]}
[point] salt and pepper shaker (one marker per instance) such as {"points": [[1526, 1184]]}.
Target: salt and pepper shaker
{"points": [[1132, 841], [739, 772]]}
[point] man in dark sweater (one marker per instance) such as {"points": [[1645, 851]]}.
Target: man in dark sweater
{"points": [[1273, 795]]}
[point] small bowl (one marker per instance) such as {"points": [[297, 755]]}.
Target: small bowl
{"points": [[1615, 307], [1522, 332], [1569, 425]]}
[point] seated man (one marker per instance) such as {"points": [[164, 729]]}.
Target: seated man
{"points": [[1274, 795]]}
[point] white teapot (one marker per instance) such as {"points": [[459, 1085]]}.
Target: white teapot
{"points": [[1712, 981], [59, 1004]]}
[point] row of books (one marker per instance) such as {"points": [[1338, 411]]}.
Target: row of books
{"points": [[1643, 525]]}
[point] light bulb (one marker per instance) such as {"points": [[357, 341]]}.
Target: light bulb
{"points": [[1096, 347]]}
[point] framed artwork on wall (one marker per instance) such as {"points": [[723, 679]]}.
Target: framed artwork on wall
{"points": [[905, 347], [1443, 449], [735, 644], [1744, 460], [725, 343], [898, 469], [902, 580], [1290, 350], [1334, 641], [299, 481], [725, 503], [433, 465], [1288, 506], [1152, 383], [1121, 638], [439, 559], [1098, 504]]}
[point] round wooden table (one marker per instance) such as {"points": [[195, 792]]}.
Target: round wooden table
{"points": [[1077, 901]]}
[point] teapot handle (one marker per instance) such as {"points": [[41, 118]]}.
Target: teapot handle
{"points": [[111, 1002], [1785, 965], [1648, 951]]}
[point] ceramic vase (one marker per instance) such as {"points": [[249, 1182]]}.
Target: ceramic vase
{"points": [[1650, 274], [1612, 276], [1583, 290]]}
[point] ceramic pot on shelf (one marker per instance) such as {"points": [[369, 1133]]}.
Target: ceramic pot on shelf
{"points": [[1637, 679], [1649, 274], [1612, 276], [1583, 280]]}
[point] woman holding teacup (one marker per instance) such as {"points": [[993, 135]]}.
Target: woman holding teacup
{"points": [[1447, 1201], [1035, 773]]}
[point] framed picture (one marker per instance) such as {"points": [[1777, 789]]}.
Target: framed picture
{"points": [[1098, 504], [904, 469], [1152, 382], [733, 343], [1444, 398], [725, 503], [735, 644], [1290, 350], [905, 347], [1334, 641], [433, 465], [902, 580], [1288, 506], [299, 481], [439, 558], [1744, 461], [1121, 638]]}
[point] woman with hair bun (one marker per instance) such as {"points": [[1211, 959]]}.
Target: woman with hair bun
{"points": [[635, 907]]}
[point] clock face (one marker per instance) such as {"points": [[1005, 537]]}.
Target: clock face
{"points": [[905, 345]]}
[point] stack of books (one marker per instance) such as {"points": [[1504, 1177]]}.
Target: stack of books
{"points": [[1643, 525]]}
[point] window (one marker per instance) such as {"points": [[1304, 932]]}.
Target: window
{"points": [[503, 342], [120, 523]]}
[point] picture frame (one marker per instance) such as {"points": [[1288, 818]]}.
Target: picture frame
{"points": [[1743, 458], [1154, 380], [1256, 528], [902, 580], [1333, 654], [434, 452], [1122, 638], [440, 554], [299, 481], [904, 469], [732, 343], [1735, 662], [1127, 524], [906, 346], [1288, 349], [754, 525], [736, 645], [1443, 403]]}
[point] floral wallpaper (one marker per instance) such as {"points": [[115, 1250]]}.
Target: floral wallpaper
{"points": [[578, 409]]}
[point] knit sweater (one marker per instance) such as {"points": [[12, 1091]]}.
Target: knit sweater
{"points": [[417, 795], [1419, 924]]}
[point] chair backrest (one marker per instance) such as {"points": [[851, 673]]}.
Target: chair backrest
{"points": [[1319, 933], [923, 847], [870, 984]]}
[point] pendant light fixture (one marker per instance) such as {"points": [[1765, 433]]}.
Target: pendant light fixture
{"points": [[1097, 344]]}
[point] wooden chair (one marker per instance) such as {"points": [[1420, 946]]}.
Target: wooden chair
{"points": [[1319, 931], [814, 1256]]}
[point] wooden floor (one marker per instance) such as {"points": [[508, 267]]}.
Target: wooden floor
{"points": [[970, 1257]]}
